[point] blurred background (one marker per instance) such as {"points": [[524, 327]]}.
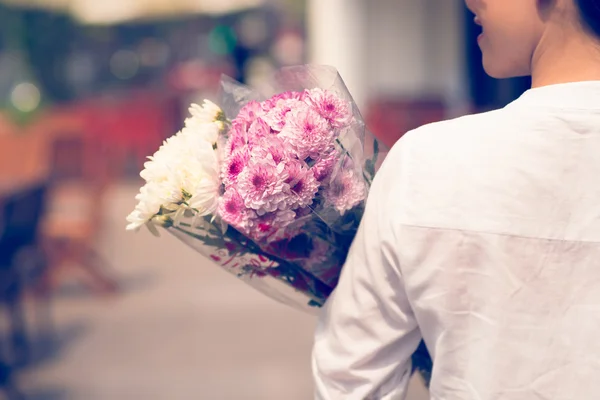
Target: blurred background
{"points": [[88, 89]]}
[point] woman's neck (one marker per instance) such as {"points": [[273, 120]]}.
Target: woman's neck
{"points": [[564, 58]]}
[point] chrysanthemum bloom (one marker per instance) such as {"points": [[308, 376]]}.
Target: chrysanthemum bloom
{"points": [[277, 116], [302, 183], [272, 148], [337, 111], [183, 173], [207, 114], [262, 185], [307, 133], [323, 168], [250, 112], [238, 137], [277, 99], [151, 198], [346, 191], [234, 165], [233, 210], [258, 130]]}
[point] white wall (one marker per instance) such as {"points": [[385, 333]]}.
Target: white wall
{"points": [[391, 47], [447, 66], [337, 36], [397, 50]]}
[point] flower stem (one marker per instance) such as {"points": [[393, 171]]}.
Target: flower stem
{"points": [[316, 290]]}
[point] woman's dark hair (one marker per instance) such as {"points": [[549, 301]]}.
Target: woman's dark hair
{"points": [[589, 10]]}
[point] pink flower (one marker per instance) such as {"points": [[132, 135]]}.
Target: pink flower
{"points": [[250, 112], [258, 129], [238, 137], [346, 191], [337, 111], [234, 165], [271, 148], [274, 101], [233, 211], [324, 167], [262, 185], [246, 135], [303, 185], [307, 133], [278, 115]]}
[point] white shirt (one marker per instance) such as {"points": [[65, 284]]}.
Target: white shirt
{"points": [[481, 235]]}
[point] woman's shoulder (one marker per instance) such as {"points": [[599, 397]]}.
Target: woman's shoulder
{"points": [[463, 126], [456, 144], [462, 133], [436, 170]]}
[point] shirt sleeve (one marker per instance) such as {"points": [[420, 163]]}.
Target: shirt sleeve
{"points": [[367, 331]]}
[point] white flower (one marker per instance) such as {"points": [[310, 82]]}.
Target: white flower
{"points": [[151, 198], [137, 219], [182, 174], [208, 132], [157, 169], [196, 172], [208, 114]]}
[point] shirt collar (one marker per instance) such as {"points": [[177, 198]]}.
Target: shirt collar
{"points": [[575, 95]]}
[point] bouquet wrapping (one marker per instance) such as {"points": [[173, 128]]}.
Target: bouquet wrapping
{"points": [[270, 186]]}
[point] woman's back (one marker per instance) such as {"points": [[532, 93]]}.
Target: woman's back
{"points": [[500, 249], [481, 235]]}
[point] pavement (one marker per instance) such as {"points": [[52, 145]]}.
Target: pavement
{"points": [[181, 329]]}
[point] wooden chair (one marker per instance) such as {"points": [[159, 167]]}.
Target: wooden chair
{"points": [[74, 213]]}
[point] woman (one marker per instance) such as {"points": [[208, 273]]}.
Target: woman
{"points": [[482, 234]]}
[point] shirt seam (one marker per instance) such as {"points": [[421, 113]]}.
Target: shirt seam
{"points": [[554, 107], [504, 234]]}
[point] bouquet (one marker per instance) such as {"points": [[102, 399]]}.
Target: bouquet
{"points": [[270, 186]]}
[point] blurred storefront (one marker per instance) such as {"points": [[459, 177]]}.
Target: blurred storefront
{"points": [[87, 92], [125, 83], [136, 68]]}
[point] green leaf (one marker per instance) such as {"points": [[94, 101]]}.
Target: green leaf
{"points": [[152, 228], [370, 168], [313, 303], [375, 150]]}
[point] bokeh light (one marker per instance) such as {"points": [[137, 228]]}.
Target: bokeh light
{"points": [[124, 64], [153, 53], [26, 97], [222, 40]]}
